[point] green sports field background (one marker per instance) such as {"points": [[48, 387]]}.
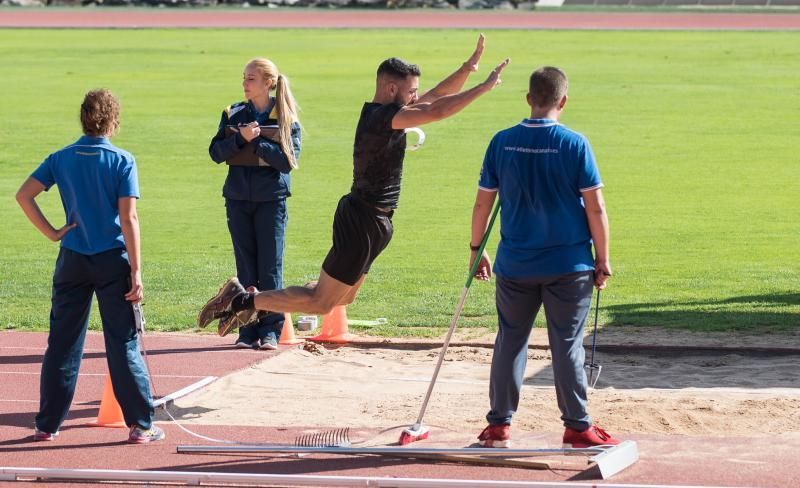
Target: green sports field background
{"points": [[696, 134]]}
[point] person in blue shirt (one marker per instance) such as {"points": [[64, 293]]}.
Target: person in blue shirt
{"points": [[551, 215], [266, 129], [100, 255]]}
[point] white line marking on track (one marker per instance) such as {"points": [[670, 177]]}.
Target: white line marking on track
{"points": [[37, 373], [184, 391]]}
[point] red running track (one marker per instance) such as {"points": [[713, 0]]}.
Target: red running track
{"points": [[429, 19], [178, 360]]}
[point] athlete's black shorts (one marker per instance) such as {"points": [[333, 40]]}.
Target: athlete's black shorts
{"points": [[360, 233]]}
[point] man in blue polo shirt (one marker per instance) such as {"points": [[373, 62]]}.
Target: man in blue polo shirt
{"points": [[100, 254], [552, 211]]}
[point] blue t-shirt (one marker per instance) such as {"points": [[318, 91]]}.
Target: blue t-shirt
{"points": [[91, 175], [539, 169]]}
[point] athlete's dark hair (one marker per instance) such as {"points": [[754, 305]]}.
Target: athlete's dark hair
{"points": [[547, 86], [397, 68], [100, 113]]}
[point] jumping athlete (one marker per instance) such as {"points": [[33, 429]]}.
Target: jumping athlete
{"points": [[362, 226]]}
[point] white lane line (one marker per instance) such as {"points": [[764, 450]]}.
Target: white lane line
{"points": [[156, 403], [37, 373], [184, 391]]}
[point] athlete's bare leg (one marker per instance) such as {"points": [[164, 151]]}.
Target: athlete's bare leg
{"points": [[314, 298], [351, 295]]}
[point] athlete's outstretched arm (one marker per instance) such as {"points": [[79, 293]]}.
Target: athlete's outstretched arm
{"points": [[425, 113], [453, 83]]}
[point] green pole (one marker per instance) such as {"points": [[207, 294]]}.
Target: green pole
{"points": [[482, 246]]}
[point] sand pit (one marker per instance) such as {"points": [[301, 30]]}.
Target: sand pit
{"points": [[379, 387]]}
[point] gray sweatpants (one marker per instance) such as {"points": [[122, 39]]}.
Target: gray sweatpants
{"points": [[566, 299]]}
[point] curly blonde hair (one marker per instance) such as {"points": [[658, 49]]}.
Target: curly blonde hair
{"points": [[100, 113]]}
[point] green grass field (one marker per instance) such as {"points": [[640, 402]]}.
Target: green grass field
{"points": [[695, 134]]}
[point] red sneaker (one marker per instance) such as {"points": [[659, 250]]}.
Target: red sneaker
{"points": [[495, 436], [591, 437]]}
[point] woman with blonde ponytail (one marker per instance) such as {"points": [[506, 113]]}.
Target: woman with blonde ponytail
{"points": [[259, 139]]}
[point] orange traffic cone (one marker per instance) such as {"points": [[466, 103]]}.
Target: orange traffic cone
{"points": [[110, 414], [287, 333], [334, 327]]}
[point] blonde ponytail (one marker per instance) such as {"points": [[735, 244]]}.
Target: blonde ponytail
{"points": [[287, 114], [285, 104]]}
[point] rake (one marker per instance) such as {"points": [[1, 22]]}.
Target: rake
{"points": [[418, 431]]}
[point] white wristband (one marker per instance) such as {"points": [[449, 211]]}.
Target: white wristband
{"points": [[420, 138]]}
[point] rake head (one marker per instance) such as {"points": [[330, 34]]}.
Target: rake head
{"points": [[330, 438], [592, 373]]}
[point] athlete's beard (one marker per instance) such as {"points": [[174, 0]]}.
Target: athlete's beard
{"points": [[398, 100]]}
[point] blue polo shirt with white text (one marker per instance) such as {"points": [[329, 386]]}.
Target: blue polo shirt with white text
{"points": [[539, 169], [91, 175]]}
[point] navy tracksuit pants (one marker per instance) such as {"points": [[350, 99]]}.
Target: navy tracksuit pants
{"points": [[258, 234], [76, 277], [566, 299]]}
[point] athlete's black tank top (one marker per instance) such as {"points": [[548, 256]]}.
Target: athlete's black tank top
{"points": [[378, 153]]}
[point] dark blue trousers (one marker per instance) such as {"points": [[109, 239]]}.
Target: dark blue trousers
{"points": [[258, 231], [566, 300], [76, 278]]}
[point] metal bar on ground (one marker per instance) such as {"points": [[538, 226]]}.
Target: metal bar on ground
{"points": [[199, 477], [392, 451], [508, 463], [609, 460]]}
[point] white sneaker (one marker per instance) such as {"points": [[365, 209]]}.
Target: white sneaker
{"points": [[244, 344]]}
